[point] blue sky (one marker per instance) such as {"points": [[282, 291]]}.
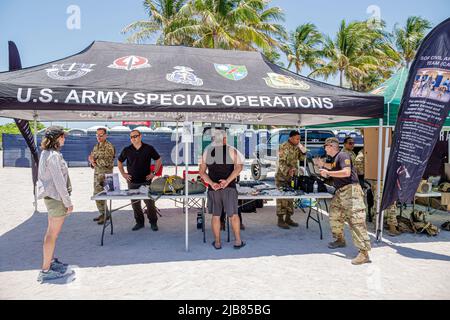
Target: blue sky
{"points": [[40, 32]]}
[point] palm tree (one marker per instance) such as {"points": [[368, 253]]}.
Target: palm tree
{"points": [[355, 53], [381, 48], [408, 39], [163, 18], [303, 48], [231, 24], [273, 56], [267, 26]]}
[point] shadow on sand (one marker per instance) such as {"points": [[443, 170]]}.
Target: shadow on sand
{"points": [[79, 242]]}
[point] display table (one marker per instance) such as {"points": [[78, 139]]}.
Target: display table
{"points": [[138, 197], [317, 196], [429, 195], [202, 197]]}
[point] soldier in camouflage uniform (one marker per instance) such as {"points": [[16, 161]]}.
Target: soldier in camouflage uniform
{"points": [[359, 166], [359, 163], [101, 160], [289, 154], [347, 203], [349, 144], [390, 214]]}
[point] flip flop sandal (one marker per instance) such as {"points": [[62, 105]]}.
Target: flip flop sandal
{"points": [[239, 246], [214, 245]]}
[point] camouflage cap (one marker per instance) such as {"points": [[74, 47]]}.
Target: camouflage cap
{"points": [[54, 132], [332, 140]]}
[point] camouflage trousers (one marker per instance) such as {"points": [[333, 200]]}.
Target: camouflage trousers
{"points": [[285, 207], [99, 180], [348, 205], [390, 214]]}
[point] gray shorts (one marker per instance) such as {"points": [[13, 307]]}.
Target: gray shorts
{"points": [[223, 199]]}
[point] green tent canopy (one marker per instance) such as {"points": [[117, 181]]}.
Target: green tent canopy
{"points": [[392, 91]]}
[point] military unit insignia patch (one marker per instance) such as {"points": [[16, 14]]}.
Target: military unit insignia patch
{"points": [[130, 63], [279, 81], [184, 75], [231, 72], [69, 71]]}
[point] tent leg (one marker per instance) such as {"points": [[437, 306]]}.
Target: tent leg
{"points": [[306, 147], [379, 222], [186, 191], [176, 151], [35, 142]]}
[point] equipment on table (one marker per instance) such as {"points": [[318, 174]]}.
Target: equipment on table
{"points": [[175, 185]]}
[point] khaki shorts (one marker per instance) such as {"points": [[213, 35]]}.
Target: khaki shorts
{"points": [[55, 208]]}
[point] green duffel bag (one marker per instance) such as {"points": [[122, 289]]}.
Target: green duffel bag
{"points": [[196, 187], [167, 185]]}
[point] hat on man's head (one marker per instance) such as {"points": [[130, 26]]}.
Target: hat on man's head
{"points": [[332, 140], [54, 132]]}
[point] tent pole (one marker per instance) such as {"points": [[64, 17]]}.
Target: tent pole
{"points": [[386, 142], [35, 142], [386, 139], [186, 190], [306, 146], [176, 151], [379, 222]]}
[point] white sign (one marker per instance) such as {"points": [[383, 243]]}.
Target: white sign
{"points": [[112, 184], [188, 132]]}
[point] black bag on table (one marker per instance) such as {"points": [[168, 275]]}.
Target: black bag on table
{"points": [[306, 184]]}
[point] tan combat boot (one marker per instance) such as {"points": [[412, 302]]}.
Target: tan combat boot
{"points": [[392, 230], [281, 223], [339, 243], [362, 257], [290, 222], [98, 218], [102, 219]]}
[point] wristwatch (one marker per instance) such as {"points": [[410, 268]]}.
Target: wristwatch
{"points": [[154, 173]]}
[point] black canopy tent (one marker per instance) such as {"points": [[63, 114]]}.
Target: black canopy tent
{"points": [[115, 81]]}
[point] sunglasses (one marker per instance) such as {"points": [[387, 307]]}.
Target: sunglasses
{"points": [[351, 143], [135, 136], [100, 135]]}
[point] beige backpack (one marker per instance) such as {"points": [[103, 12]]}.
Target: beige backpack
{"points": [[417, 224]]}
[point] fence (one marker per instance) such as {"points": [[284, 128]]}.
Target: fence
{"points": [[77, 148]]}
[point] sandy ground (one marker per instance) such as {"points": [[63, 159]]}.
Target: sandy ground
{"points": [[275, 264]]}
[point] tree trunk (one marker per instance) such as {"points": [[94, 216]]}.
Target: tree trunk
{"points": [[341, 77]]}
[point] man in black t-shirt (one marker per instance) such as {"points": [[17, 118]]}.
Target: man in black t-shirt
{"points": [[348, 201], [139, 156]]}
